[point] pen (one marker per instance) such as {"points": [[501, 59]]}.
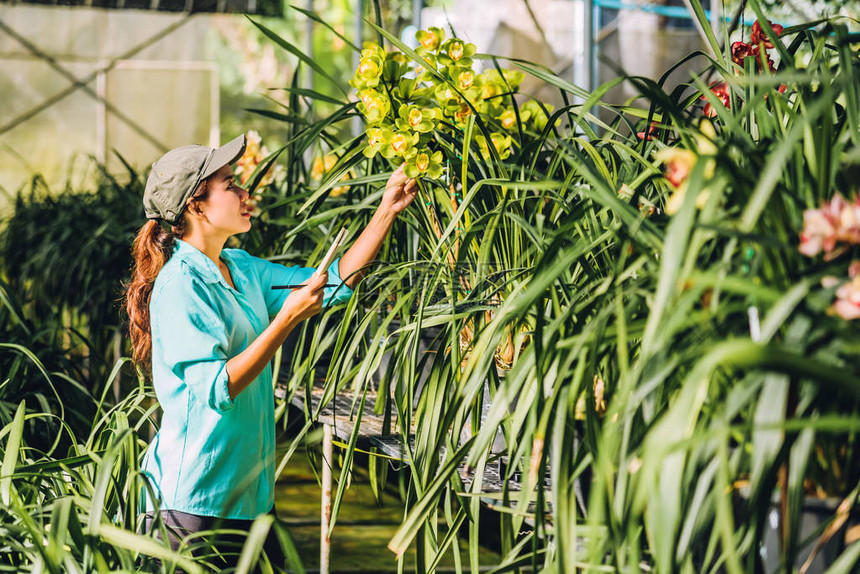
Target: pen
{"points": [[298, 286], [338, 241]]}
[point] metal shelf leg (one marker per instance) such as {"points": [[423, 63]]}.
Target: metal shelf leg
{"points": [[325, 514]]}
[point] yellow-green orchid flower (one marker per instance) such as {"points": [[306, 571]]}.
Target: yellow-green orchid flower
{"points": [[423, 163]]}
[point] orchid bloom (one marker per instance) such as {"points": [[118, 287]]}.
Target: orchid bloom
{"points": [[501, 143], [430, 38], [489, 90], [465, 79], [373, 104], [368, 68], [847, 304], [679, 162], [836, 221], [456, 50], [536, 113], [760, 37], [322, 165], [255, 152], [651, 131], [722, 91], [742, 50], [819, 232], [412, 117], [399, 143], [456, 53], [508, 119], [424, 163], [758, 41], [463, 113], [376, 139]]}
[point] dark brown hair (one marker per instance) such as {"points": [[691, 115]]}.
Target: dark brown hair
{"points": [[151, 249]]}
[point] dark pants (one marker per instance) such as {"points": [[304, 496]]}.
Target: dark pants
{"points": [[222, 550]]}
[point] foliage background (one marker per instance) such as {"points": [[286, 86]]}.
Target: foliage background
{"points": [[648, 416]]}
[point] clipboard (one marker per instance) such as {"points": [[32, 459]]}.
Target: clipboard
{"points": [[332, 251], [339, 240]]}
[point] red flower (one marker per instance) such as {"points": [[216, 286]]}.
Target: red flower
{"points": [[652, 130], [721, 90], [759, 36], [770, 65], [741, 51], [758, 40], [678, 165]]}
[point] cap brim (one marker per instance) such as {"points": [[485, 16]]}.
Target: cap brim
{"points": [[225, 155]]}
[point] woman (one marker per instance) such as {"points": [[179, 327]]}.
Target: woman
{"points": [[205, 322]]}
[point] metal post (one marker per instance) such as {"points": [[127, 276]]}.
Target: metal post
{"points": [[215, 111], [699, 27], [308, 79], [101, 116], [417, 6], [325, 514], [716, 20], [358, 23], [117, 353], [309, 46], [587, 44]]}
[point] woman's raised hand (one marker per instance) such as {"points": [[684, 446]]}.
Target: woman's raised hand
{"points": [[399, 192], [306, 301]]}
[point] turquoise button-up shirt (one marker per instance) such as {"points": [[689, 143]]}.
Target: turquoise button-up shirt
{"points": [[214, 456]]}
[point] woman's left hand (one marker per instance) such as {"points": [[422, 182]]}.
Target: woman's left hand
{"points": [[399, 192]]}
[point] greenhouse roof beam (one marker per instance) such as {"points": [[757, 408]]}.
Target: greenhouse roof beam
{"points": [[258, 7]]}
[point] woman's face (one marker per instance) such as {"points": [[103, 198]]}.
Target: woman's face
{"points": [[225, 208]]}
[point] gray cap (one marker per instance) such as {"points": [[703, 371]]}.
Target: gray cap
{"points": [[178, 173]]}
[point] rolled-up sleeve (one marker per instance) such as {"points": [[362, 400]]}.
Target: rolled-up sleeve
{"points": [[272, 274], [193, 340], [340, 293]]}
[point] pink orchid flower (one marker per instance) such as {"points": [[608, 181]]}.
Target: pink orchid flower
{"points": [[847, 304], [836, 221]]}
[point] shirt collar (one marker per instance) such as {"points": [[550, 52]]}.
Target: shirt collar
{"points": [[202, 265]]}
